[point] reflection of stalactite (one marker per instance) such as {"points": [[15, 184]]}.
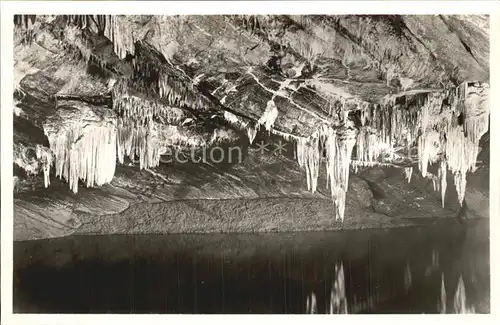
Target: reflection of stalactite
{"points": [[338, 300], [311, 304], [460, 300], [407, 277], [434, 264], [435, 258], [441, 306]]}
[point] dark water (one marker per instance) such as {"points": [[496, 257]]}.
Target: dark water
{"points": [[367, 271]]}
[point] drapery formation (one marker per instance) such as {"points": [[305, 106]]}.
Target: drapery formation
{"points": [[83, 142]]}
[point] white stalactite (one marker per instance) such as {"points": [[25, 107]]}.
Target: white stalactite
{"points": [[442, 175], [84, 145], [141, 140], [270, 114], [442, 138], [338, 150], [408, 173], [46, 158], [117, 30], [251, 133], [85, 153]]}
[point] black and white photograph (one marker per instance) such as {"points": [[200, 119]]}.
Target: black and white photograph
{"points": [[250, 163]]}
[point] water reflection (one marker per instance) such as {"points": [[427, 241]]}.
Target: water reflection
{"points": [[311, 304], [441, 307], [439, 269], [460, 300], [407, 278], [338, 300]]}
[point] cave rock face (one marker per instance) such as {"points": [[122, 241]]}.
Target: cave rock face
{"points": [[100, 101]]}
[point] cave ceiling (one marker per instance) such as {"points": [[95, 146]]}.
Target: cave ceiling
{"points": [[402, 90]]}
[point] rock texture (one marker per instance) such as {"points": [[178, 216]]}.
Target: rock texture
{"points": [[102, 102]]}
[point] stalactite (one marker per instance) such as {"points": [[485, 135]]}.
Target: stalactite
{"points": [[365, 110], [46, 158], [179, 93], [368, 147], [461, 155], [408, 173], [338, 146], [340, 162], [462, 145], [138, 140], [84, 146], [120, 34], [431, 120], [87, 153], [142, 110], [442, 176], [251, 133], [428, 150], [270, 114], [308, 156]]}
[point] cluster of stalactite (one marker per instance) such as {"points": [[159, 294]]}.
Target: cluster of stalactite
{"points": [[84, 148], [452, 125], [150, 141], [85, 141], [137, 139], [427, 120], [177, 93], [337, 146], [119, 31], [146, 127], [143, 111], [444, 126]]}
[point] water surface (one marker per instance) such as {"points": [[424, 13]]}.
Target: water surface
{"points": [[442, 267]]}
